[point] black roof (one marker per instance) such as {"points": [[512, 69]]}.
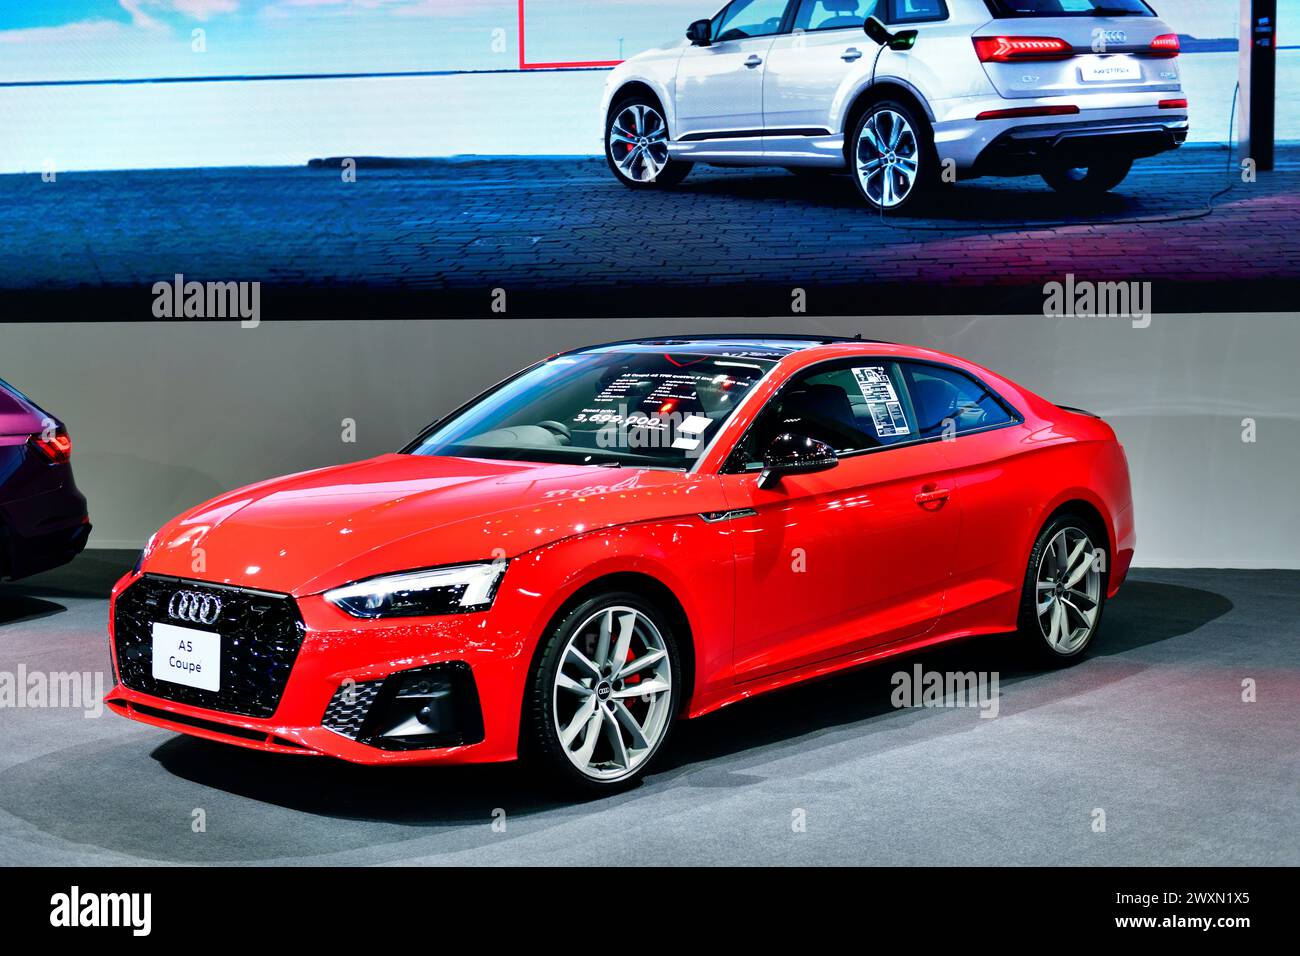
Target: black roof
{"points": [[770, 344]]}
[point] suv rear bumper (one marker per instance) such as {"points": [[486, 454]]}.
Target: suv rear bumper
{"points": [[1025, 150], [1130, 124]]}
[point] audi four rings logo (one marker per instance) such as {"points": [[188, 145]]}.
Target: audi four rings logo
{"points": [[1115, 36], [195, 608]]}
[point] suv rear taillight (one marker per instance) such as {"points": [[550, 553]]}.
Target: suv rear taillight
{"points": [[58, 450], [1014, 49], [1167, 45]]}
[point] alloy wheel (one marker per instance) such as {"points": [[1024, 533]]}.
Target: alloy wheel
{"points": [[613, 695], [888, 158], [1068, 593], [638, 143]]}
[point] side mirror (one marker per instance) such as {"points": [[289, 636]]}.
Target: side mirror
{"points": [[795, 455], [700, 33], [879, 33]]}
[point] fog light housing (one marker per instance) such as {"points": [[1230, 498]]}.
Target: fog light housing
{"points": [[422, 709]]}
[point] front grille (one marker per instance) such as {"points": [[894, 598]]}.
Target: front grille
{"points": [[260, 633]]}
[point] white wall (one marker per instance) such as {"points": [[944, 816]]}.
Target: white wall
{"points": [[164, 416]]}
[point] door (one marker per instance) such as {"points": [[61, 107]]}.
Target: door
{"points": [[985, 447], [837, 562], [807, 68], [719, 90]]}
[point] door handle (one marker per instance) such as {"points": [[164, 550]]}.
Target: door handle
{"points": [[851, 54], [930, 497], [753, 61]]}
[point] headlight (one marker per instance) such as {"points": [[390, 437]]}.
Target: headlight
{"points": [[458, 590]]}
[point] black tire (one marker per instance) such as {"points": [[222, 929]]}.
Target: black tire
{"points": [[541, 744], [673, 171], [922, 151], [1033, 634], [1100, 176]]}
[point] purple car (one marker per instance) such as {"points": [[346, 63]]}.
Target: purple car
{"points": [[43, 520]]}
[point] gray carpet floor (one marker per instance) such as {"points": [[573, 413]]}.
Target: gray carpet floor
{"points": [[1150, 731]]}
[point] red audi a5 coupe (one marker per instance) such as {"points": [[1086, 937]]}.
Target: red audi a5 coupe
{"points": [[621, 537]]}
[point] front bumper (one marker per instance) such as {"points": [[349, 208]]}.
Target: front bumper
{"points": [[350, 670]]}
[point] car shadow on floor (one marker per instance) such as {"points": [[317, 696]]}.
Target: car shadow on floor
{"points": [[17, 607], [991, 203], [1148, 614], [90, 576]]}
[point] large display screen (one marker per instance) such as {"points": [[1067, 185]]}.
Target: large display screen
{"points": [[110, 84]]}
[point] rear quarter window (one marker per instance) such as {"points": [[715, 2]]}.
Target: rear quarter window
{"points": [[947, 401]]}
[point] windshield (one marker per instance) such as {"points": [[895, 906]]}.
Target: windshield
{"points": [[622, 407], [1071, 8]]}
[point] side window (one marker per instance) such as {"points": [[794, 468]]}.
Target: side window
{"points": [[835, 14], [749, 18], [851, 407], [916, 11], [948, 401]]}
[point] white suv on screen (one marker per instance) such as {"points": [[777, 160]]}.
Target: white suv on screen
{"points": [[904, 93]]}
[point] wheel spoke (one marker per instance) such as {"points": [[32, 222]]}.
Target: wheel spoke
{"points": [[1055, 638], [580, 720], [647, 688], [634, 731], [628, 161], [1072, 561], [565, 682], [626, 625], [1083, 600], [1082, 570], [1084, 621], [896, 127], [1086, 617], [594, 722], [1045, 606], [583, 662], [615, 736], [1062, 563], [873, 133], [641, 663], [602, 643]]}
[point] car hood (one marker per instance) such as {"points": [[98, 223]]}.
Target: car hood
{"points": [[667, 51], [310, 532]]}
